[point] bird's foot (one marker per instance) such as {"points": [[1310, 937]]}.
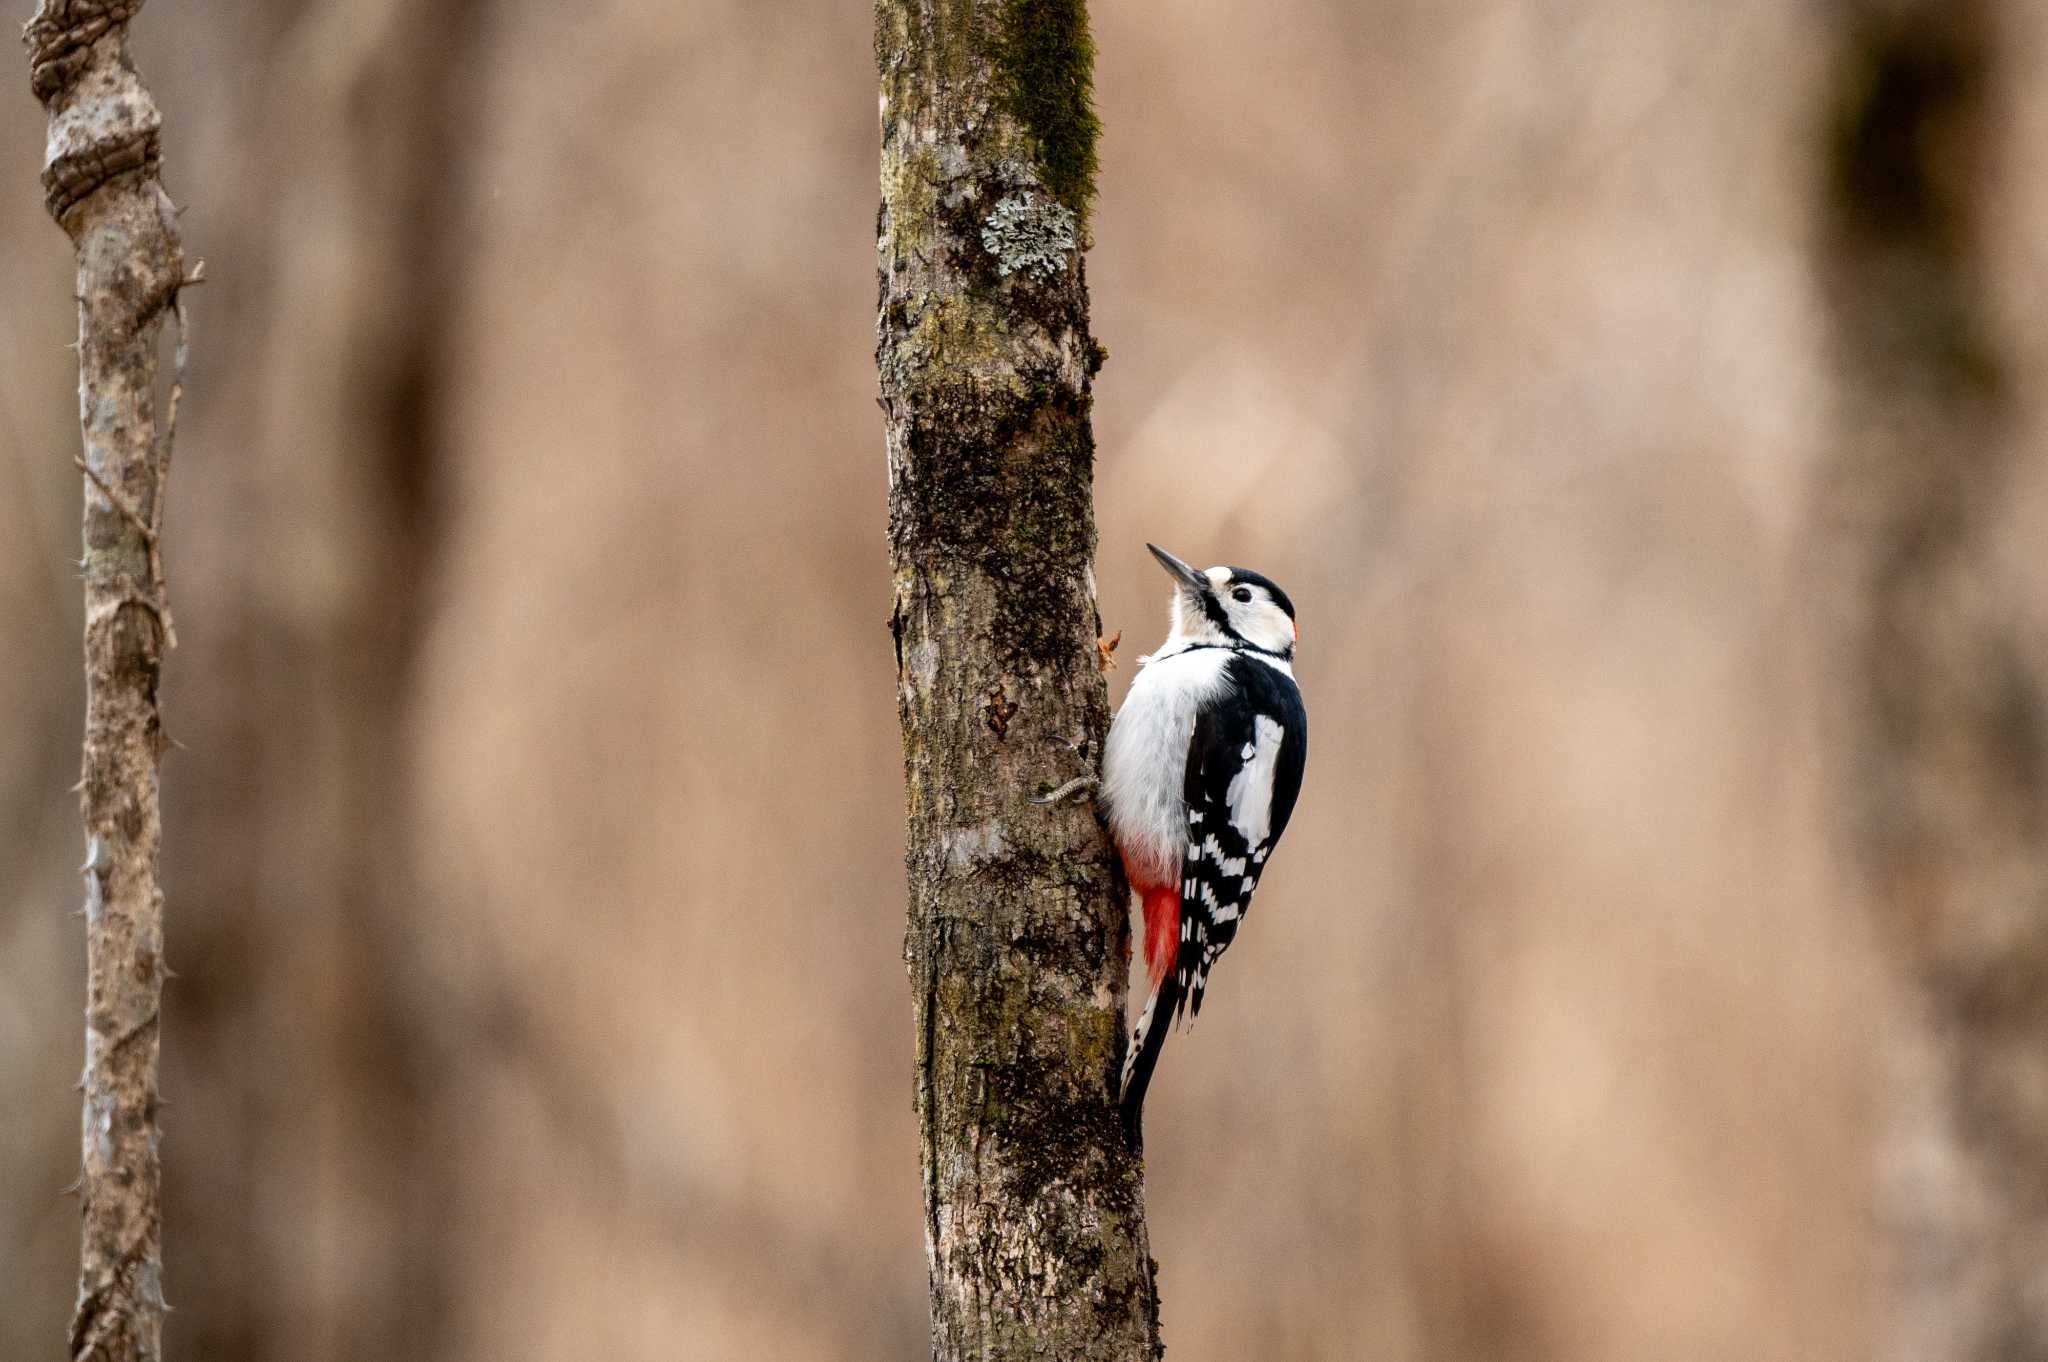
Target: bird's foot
{"points": [[1072, 787], [1076, 746], [1079, 748]]}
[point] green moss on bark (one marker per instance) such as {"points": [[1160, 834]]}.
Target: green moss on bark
{"points": [[1037, 58], [1045, 58], [910, 186]]}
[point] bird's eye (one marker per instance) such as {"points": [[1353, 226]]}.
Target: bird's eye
{"points": [[1243, 593]]}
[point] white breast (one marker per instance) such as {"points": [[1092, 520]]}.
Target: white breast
{"points": [[1144, 764]]}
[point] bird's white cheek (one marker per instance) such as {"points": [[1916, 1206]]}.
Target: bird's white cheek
{"points": [[1272, 631]]}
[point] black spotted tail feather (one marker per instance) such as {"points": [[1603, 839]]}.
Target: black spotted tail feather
{"points": [[1147, 1040]]}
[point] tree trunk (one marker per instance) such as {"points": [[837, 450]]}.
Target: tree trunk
{"points": [[1943, 715], [100, 179], [321, 1051], [1018, 939]]}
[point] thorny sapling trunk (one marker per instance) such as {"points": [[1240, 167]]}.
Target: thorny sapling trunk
{"points": [[100, 178], [1018, 937]]}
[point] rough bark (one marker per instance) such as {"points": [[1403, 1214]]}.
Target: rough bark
{"points": [[1944, 716], [1018, 937], [100, 178]]}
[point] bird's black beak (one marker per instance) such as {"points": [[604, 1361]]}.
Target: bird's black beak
{"points": [[1181, 572]]}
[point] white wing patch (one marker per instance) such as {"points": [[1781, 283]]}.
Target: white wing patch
{"points": [[1251, 790]]}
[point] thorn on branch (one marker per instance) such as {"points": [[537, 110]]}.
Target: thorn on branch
{"points": [[163, 457]]}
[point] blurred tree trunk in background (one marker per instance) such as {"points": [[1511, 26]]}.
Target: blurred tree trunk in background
{"points": [[1944, 714], [1018, 939], [100, 177], [312, 1183]]}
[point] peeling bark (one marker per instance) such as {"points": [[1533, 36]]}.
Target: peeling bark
{"points": [[1944, 713], [1018, 937], [100, 178]]}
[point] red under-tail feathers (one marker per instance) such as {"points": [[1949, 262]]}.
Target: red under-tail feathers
{"points": [[1162, 950]]}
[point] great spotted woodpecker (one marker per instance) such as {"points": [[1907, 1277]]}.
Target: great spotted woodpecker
{"points": [[1199, 778]]}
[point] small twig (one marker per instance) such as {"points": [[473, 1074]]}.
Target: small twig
{"points": [[156, 602], [119, 502], [163, 458]]}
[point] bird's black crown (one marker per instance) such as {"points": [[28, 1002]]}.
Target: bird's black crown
{"points": [[1250, 578]]}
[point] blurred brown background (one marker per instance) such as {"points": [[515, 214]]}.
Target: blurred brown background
{"points": [[1640, 401]]}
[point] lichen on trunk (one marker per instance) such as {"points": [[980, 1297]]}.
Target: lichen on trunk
{"points": [[1018, 939]]}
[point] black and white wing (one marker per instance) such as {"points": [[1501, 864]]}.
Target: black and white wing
{"points": [[1244, 771]]}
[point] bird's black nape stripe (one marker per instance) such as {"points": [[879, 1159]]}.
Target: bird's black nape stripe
{"points": [[1164, 1009], [1243, 645], [1212, 606], [1250, 578]]}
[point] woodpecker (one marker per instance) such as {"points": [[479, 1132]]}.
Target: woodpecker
{"points": [[1199, 778]]}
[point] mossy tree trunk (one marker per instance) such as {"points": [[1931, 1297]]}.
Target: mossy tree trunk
{"points": [[100, 176], [1018, 937], [1941, 704]]}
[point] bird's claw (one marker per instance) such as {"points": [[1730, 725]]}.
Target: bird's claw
{"points": [[1079, 748], [1074, 786]]}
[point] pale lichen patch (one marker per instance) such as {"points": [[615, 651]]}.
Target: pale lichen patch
{"points": [[969, 849], [1030, 235]]}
